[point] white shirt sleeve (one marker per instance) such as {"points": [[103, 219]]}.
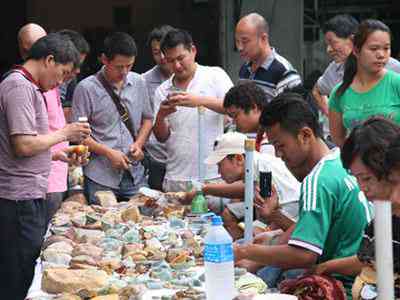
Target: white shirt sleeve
{"points": [[222, 82], [159, 96]]}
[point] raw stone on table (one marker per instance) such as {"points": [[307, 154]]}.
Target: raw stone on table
{"points": [[87, 249], [109, 264], [131, 214], [106, 198], [66, 296], [71, 207], [250, 283], [56, 257], [61, 247], [55, 239], [88, 235], [57, 281], [83, 259], [79, 197], [107, 297]]}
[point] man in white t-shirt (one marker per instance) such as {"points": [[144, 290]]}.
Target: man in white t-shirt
{"points": [[176, 121], [228, 154]]}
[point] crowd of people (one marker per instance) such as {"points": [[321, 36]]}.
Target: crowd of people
{"points": [[141, 130]]}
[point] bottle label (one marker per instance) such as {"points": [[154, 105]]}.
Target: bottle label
{"points": [[218, 253]]}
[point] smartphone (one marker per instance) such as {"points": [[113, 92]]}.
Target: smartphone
{"points": [[165, 102], [265, 184], [174, 90]]}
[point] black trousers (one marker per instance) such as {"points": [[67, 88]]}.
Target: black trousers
{"points": [[22, 228], [155, 171]]}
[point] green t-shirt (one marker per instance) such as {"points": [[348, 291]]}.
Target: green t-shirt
{"points": [[383, 99], [333, 213]]}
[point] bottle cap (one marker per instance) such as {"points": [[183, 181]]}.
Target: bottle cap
{"points": [[83, 119], [216, 221], [197, 185]]}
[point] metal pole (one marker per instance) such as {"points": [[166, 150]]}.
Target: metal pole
{"points": [[249, 146], [384, 249], [200, 134]]}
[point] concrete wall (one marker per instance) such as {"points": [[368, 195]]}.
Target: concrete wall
{"points": [[12, 19], [285, 18], [212, 24], [95, 19], [81, 14]]}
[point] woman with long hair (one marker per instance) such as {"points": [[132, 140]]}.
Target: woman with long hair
{"points": [[368, 88]]}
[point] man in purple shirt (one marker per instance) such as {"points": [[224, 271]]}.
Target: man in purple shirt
{"points": [[25, 157]]}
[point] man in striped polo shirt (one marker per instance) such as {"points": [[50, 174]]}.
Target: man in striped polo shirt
{"points": [[272, 72], [333, 212]]}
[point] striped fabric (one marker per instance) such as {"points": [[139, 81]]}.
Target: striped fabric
{"points": [[274, 76], [309, 189]]}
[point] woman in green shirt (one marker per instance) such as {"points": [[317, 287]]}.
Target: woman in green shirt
{"points": [[368, 88]]}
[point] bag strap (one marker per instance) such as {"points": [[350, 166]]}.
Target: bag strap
{"points": [[122, 110]]}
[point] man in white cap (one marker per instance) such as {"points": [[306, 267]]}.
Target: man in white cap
{"points": [[229, 155]]}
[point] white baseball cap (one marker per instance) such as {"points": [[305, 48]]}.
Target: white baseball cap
{"points": [[228, 143]]}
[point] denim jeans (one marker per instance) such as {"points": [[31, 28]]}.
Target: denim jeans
{"points": [[127, 188], [272, 276]]}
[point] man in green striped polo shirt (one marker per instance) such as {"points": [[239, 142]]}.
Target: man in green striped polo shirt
{"points": [[333, 212]]}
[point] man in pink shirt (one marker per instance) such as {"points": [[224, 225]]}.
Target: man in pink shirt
{"points": [[59, 169], [57, 119]]}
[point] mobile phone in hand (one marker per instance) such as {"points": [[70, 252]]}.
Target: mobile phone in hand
{"points": [[265, 184], [173, 90], [165, 102]]}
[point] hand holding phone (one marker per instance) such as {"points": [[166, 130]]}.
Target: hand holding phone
{"points": [[266, 206], [166, 108], [265, 184]]}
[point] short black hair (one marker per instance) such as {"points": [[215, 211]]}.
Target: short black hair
{"points": [[119, 43], [60, 47], [158, 33], [344, 26], [292, 113], [77, 39], [176, 37], [370, 141], [245, 95]]}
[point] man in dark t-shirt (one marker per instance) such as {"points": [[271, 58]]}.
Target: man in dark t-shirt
{"points": [[272, 72]]}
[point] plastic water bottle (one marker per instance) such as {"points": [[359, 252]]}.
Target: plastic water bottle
{"points": [[199, 202], [218, 261]]}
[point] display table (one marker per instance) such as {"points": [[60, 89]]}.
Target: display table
{"points": [[168, 246]]}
